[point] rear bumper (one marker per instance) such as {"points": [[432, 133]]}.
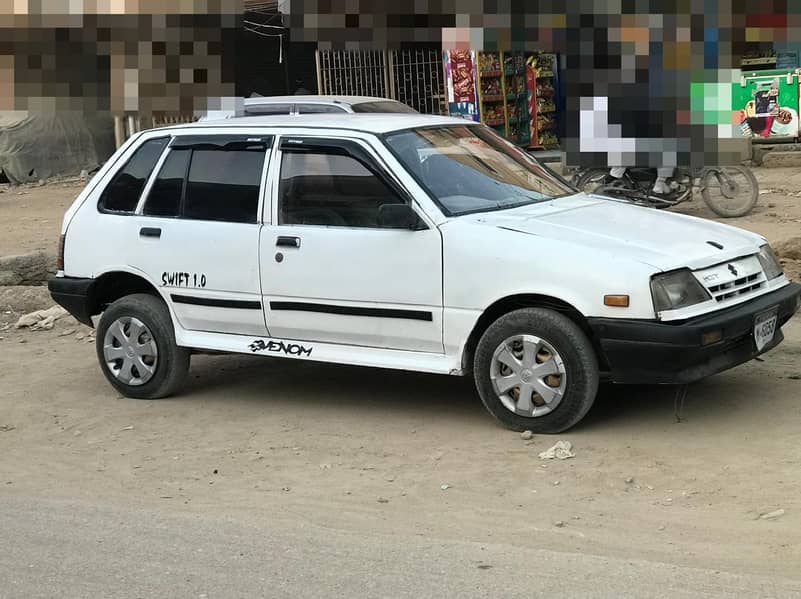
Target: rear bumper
{"points": [[651, 352], [74, 295]]}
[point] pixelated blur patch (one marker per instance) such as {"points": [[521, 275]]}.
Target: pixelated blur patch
{"points": [[632, 85], [666, 77], [149, 58]]}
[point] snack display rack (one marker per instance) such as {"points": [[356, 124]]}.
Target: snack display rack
{"points": [[491, 91], [518, 117], [512, 92], [541, 76]]}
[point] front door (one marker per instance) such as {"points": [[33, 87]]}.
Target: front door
{"points": [[196, 233], [335, 267]]}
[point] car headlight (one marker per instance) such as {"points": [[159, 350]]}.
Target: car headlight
{"points": [[675, 290], [770, 264]]}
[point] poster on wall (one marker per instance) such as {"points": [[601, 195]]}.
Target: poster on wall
{"points": [[767, 105], [461, 81]]}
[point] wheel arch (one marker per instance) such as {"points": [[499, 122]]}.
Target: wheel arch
{"points": [[527, 300], [114, 284]]}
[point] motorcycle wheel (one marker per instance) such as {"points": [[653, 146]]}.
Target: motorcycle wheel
{"points": [[730, 191], [591, 180]]}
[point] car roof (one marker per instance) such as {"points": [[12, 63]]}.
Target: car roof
{"points": [[369, 123], [315, 99]]}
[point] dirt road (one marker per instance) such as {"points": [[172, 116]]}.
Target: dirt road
{"points": [[130, 552], [391, 460]]}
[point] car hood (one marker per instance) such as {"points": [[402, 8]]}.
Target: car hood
{"points": [[660, 239]]}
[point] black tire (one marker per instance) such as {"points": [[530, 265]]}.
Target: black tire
{"points": [[569, 341], [749, 192], [173, 361]]}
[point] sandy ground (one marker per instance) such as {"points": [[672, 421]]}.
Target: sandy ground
{"points": [[31, 216], [367, 453]]}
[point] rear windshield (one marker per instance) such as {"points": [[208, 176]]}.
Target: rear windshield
{"points": [[384, 106]]}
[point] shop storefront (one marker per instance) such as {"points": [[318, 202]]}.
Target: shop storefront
{"points": [[766, 99], [515, 93]]}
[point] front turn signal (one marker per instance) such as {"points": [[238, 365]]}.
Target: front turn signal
{"points": [[616, 301]]}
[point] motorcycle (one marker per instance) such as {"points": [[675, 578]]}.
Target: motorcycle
{"points": [[729, 191]]}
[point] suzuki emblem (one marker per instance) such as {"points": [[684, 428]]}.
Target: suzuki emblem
{"points": [[732, 270]]}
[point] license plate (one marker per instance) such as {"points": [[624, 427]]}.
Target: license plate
{"points": [[765, 328]]}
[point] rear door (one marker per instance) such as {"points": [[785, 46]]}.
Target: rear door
{"points": [[196, 231], [333, 269]]}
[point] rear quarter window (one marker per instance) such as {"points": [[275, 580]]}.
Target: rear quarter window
{"points": [[122, 194]]}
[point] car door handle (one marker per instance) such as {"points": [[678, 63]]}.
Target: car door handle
{"points": [[287, 242], [150, 232]]}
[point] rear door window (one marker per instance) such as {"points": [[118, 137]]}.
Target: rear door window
{"points": [[123, 192], [224, 185], [215, 178], [268, 109], [165, 195], [319, 109]]}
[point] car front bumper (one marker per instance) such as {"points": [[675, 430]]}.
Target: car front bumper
{"points": [[652, 352]]}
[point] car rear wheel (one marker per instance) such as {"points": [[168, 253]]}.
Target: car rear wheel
{"points": [[535, 369], [136, 348]]}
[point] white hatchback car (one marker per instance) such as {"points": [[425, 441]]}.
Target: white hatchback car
{"points": [[410, 242]]}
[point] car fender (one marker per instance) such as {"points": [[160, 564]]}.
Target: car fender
{"points": [[124, 268], [507, 264]]}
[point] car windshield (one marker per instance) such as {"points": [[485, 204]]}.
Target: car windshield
{"points": [[384, 106], [472, 169]]}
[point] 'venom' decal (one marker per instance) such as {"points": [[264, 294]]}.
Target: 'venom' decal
{"points": [[279, 347], [183, 279]]}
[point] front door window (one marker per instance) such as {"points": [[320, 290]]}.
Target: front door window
{"points": [[320, 188]]}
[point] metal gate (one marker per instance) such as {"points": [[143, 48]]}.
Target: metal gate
{"points": [[414, 77], [418, 80]]}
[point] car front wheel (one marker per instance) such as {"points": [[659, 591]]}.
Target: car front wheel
{"points": [[535, 369], [136, 348]]}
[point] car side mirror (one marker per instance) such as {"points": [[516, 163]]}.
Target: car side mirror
{"points": [[399, 216]]}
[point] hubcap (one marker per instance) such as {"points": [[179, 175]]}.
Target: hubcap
{"points": [[130, 351], [528, 375]]}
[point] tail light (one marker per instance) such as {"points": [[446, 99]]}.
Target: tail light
{"points": [[60, 256]]}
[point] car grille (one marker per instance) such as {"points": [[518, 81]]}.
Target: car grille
{"points": [[735, 281], [737, 287]]}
